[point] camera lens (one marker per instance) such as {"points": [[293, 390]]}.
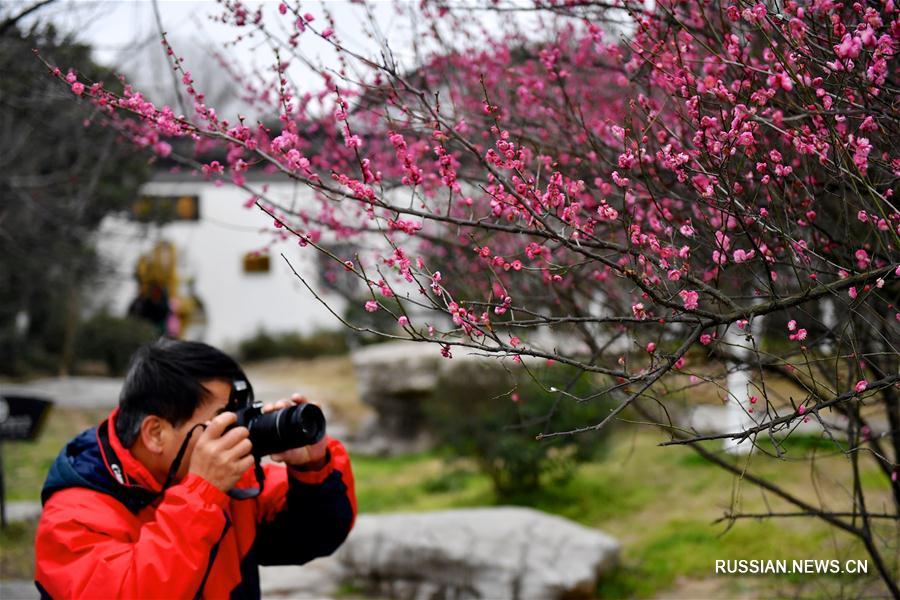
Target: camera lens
{"points": [[291, 427], [311, 422]]}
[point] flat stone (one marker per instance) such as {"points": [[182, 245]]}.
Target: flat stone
{"points": [[505, 552]]}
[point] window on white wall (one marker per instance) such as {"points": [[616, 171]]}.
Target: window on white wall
{"points": [[255, 262], [163, 209]]}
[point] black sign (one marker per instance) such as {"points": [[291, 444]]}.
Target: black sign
{"points": [[21, 416]]}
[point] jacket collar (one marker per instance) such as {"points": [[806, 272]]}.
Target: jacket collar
{"points": [[134, 471]]}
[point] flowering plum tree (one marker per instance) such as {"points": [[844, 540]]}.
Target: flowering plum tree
{"points": [[673, 196]]}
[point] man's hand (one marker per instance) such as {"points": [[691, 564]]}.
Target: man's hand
{"points": [[222, 459], [308, 458]]}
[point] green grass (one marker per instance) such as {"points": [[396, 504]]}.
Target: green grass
{"points": [[17, 556], [26, 463]]}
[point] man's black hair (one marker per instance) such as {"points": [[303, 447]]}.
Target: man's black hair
{"points": [[165, 379]]}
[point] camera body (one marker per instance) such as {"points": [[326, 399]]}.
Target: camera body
{"points": [[277, 431]]}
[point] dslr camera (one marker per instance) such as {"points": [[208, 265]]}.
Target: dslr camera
{"points": [[276, 431]]}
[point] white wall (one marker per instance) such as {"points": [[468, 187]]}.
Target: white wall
{"points": [[212, 250]]}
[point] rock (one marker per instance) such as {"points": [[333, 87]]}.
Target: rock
{"points": [[318, 579], [396, 379], [505, 552]]}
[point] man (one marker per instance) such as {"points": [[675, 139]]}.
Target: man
{"points": [[139, 506]]}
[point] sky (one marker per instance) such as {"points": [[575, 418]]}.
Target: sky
{"points": [[125, 34]]}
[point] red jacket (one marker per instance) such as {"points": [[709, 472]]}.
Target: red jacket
{"points": [[106, 537]]}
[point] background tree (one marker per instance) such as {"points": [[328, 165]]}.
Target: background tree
{"points": [[58, 179], [631, 189]]}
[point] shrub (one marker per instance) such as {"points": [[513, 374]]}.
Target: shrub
{"points": [[492, 416], [112, 339], [265, 345]]}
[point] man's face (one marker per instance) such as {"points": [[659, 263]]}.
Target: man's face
{"points": [[212, 403]]}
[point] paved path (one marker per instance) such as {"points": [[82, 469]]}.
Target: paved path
{"points": [[103, 392], [17, 589], [72, 392], [22, 511]]}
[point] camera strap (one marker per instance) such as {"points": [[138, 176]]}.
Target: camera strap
{"points": [[176, 464], [247, 493]]}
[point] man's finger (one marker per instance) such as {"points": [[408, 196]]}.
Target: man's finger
{"points": [[240, 450], [233, 437], [246, 462], [277, 405], [215, 427]]}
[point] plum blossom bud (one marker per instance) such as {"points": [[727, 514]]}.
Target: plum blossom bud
{"points": [[861, 386], [403, 321], [371, 306]]}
